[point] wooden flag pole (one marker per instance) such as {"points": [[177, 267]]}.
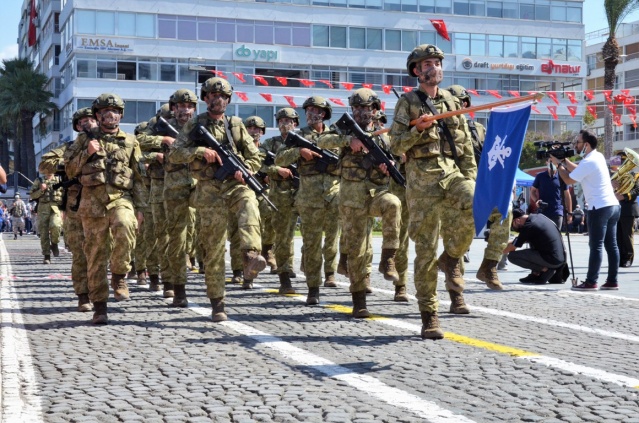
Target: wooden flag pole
{"points": [[428, 118]]}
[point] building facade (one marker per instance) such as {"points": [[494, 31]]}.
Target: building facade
{"points": [[278, 53]]}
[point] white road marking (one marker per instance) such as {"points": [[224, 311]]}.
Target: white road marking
{"points": [[19, 395]]}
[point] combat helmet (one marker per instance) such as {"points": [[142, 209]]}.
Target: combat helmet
{"points": [[365, 97], [320, 102], [164, 111], [255, 121], [107, 100], [216, 85], [420, 53], [460, 92], [17, 195], [381, 116], [81, 113], [289, 113], [140, 128], [182, 96]]}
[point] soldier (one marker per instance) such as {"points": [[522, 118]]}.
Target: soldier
{"points": [[48, 192], [216, 198], [18, 212], [107, 166], [256, 127], [364, 195], [317, 199], [283, 188], [83, 120], [499, 226], [441, 173], [178, 184]]}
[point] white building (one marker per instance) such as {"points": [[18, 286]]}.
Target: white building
{"points": [[144, 50]]}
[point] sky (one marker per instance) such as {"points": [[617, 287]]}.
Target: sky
{"points": [[11, 19]]}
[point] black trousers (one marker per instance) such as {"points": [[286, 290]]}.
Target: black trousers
{"points": [[625, 239], [530, 259]]}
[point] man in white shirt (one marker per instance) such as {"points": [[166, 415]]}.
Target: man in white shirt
{"points": [[603, 206]]}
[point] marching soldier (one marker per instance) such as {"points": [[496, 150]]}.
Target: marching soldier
{"points": [[48, 192], [363, 195], [441, 173], [107, 166], [216, 198]]}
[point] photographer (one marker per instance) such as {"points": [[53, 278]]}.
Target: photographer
{"points": [[546, 193], [604, 209]]}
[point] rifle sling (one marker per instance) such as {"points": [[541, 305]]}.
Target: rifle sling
{"points": [[426, 102]]}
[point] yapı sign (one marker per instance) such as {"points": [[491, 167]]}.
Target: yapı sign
{"points": [[256, 53], [518, 66]]}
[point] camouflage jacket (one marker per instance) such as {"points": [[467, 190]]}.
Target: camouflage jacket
{"points": [[278, 183], [50, 164]]}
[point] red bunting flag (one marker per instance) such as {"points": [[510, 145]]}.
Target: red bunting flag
{"points": [[473, 92], [387, 88], [239, 76], [282, 80], [440, 27], [367, 85], [629, 100], [494, 93], [553, 96], [633, 118], [472, 115], [607, 94], [590, 94], [572, 98], [514, 93], [328, 83], [307, 82], [553, 111], [625, 93], [260, 79], [383, 106], [347, 85], [241, 95], [289, 98], [33, 16], [535, 109], [267, 97], [572, 110], [407, 89], [620, 98], [612, 108], [337, 101], [218, 73], [593, 111], [617, 120], [631, 109]]}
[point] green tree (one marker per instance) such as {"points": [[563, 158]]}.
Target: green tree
{"points": [[529, 152], [22, 96], [616, 11]]}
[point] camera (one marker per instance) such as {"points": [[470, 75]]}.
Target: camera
{"points": [[542, 205], [560, 150]]}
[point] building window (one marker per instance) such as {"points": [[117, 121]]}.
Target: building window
{"points": [[148, 71], [167, 26], [138, 111], [393, 40], [265, 112], [105, 23], [206, 29], [85, 22]]}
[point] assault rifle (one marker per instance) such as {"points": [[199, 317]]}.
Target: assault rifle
{"points": [[230, 162], [269, 160], [375, 152], [322, 162], [65, 183], [163, 127]]}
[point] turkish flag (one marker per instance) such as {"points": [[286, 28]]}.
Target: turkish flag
{"points": [[387, 88], [572, 110], [553, 111], [632, 110], [282, 80], [633, 118], [241, 95], [347, 85], [267, 97], [590, 94], [593, 111], [260, 79], [440, 27], [33, 15], [239, 76], [290, 100], [337, 101], [494, 93], [571, 97], [307, 82], [553, 96], [366, 85], [326, 82]]}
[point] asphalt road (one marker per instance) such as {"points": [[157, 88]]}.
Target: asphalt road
{"points": [[525, 354]]}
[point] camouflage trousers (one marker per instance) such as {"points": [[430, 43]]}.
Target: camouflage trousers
{"points": [[49, 227], [190, 234], [283, 224], [499, 235], [401, 258], [120, 224], [178, 217], [358, 231], [146, 256], [74, 238], [315, 223], [18, 224], [452, 209], [161, 237], [267, 214], [214, 222], [200, 251]]}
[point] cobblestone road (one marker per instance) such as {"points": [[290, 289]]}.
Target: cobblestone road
{"points": [[526, 354]]}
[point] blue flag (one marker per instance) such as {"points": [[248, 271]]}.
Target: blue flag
{"points": [[499, 162]]}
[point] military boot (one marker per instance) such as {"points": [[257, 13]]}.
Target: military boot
{"points": [[192, 262], [254, 263], [218, 314], [400, 294], [457, 303], [120, 288], [387, 265], [330, 282], [100, 313], [47, 259], [131, 274], [55, 250], [247, 284], [369, 290], [313, 296], [488, 273], [168, 290], [269, 255], [430, 326], [200, 264], [84, 304], [179, 299], [141, 277], [285, 284], [342, 266], [154, 283], [237, 277], [452, 270], [359, 305]]}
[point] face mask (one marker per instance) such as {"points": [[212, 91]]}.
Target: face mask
{"points": [[582, 153], [551, 168]]}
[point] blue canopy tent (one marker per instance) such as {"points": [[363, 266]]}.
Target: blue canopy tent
{"points": [[523, 179]]}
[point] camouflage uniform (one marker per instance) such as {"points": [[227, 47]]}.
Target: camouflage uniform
{"points": [[49, 220], [401, 258]]}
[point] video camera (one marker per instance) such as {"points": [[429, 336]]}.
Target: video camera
{"points": [[560, 150]]}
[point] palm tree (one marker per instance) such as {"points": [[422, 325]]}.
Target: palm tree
{"points": [[616, 11]]}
